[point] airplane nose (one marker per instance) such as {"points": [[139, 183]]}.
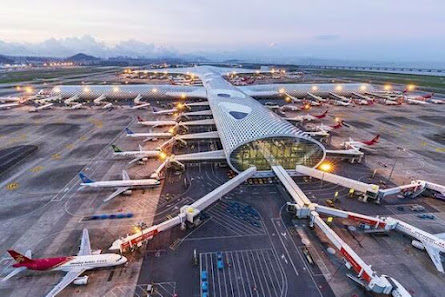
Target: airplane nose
{"points": [[124, 260]]}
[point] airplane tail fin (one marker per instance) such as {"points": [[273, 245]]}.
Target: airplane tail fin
{"points": [[116, 149], [19, 258], [128, 131], [85, 179], [140, 148], [376, 139], [140, 119]]}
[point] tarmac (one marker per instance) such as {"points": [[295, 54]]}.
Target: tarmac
{"points": [[45, 209]]}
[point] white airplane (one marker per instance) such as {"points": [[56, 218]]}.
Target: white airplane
{"points": [[341, 103], [434, 244], [140, 106], [9, 105], [148, 136], [141, 121], [123, 186], [10, 99], [437, 101], [324, 127], [139, 155], [363, 102], [357, 145], [307, 117], [415, 102], [164, 111], [42, 107], [74, 266], [108, 106], [391, 102], [48, 99], [77, 106]]}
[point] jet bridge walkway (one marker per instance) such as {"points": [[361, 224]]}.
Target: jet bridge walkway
{"points": [[352, 155], [369, 190], [303, 207], [188, 213]]}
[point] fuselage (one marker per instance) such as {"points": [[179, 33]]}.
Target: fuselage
{"points": [[421, 235], [123, 183], [147, 154], [69, 263], [147, 135]]}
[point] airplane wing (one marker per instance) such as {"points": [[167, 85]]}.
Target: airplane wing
{"points": [[85, 246], [13, 273], [116, 193], [440, 235], [434, 255], [66, 280], [125, 175], [135, 160]]}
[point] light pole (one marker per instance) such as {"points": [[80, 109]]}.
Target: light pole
{"points": [[395, 163]]}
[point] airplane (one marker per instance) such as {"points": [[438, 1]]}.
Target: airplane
{"points": [[434, 244], [341, 103], [42, 107], [325, 128], [139, 155], [11, 99], [357, 145], [437, 101], [420, 98], [392, 102], [9, 105], [362, 102], [164, 111], [108, 106], [307, 117], [74, 266], [140, 106], [414, 102], [123, 186], [148, 136], [141, 121], [48, 99], [77, 106]]}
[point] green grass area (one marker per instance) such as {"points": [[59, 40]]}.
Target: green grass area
{"points": [[42, 74], [422, 81]]}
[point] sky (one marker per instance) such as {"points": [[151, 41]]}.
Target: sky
{"points": [[377, 30]]}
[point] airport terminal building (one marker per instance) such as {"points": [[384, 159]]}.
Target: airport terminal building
{"points": [[250, 133]]}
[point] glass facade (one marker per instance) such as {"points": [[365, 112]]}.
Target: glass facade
{"points": [[285, 151]]}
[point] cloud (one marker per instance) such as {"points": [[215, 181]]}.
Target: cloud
{"points": [[86, 44], [327, 37]]}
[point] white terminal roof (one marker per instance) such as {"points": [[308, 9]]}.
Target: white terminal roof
{"points": [[239, 118]]}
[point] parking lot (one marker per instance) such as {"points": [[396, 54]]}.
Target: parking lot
{"points": [[244, 273]]}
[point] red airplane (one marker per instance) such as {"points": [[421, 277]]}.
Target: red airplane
{"points": [[320, 116]]}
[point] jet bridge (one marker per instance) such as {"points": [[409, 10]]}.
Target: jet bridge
{"points": [[188, 213], [339, 97], [199, 136], [205, 103], [416, 188], [361, 96], [198, 113], [137, 99], [303, 208], [315, 97], [294, 190], [98, 100], [202, 156], [369, 190], [72, 100], [365, 275], [352, 155]]}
